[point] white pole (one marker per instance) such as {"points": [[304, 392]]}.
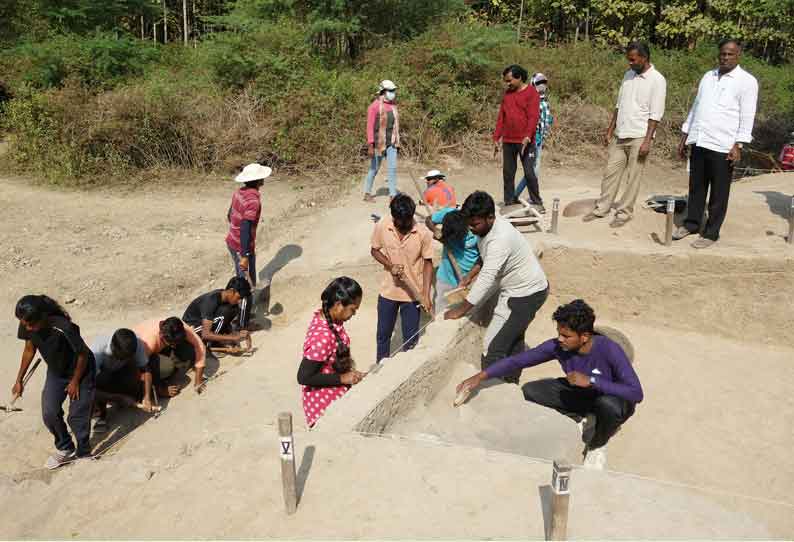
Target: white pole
{"points": [[520, 17], [184, 19]]}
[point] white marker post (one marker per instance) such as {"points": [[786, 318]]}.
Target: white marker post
{"points": [[668, 230], [560, 486], [287, 453], [555, 215], [790, 239]]}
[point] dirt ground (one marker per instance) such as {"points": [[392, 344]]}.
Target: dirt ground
{"points": [[710, 330]]}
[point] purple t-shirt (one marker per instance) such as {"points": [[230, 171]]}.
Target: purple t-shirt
{"points": [[606, 362]]}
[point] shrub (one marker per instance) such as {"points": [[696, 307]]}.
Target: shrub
{"points": [[263, 95], [100, 61]]}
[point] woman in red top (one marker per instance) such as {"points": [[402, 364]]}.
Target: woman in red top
{"points": [[327, 370]]}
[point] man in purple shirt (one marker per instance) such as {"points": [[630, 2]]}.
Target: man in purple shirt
{"points": [[599, 380]]}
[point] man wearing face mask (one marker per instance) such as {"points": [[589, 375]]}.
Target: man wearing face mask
{"points": [[545, 120], [383, 137], [639, 109], [122, 373]]}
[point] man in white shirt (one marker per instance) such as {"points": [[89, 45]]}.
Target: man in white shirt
{"points": [[507, 265], [639, 109], [719, 122]]}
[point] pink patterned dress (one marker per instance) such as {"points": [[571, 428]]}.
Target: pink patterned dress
{"points": [[320, 346]]}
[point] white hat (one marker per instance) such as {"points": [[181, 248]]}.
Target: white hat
{"points": [[253, 172], [433, 173], [539, 78], [386, 84]]}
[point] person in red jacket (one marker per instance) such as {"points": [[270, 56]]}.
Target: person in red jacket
{"points": [[515, 132], [786, 157]]}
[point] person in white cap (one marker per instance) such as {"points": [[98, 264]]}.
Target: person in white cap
{"points": [[545, 121], [383, 137], [243, 217], [438, 194]]}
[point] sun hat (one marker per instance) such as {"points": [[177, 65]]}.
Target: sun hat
{"points": [[387, 84], [253, 172], [434, 174]]}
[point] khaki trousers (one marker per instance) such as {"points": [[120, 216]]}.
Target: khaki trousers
{"points": [[623, 162]]}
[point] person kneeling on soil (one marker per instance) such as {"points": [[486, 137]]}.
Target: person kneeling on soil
{"points": [[599, 384], [122, 374], [47, 328], [327, 370], [165, 339], [211, 314]]}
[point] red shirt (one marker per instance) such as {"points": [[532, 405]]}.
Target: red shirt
{"points": [[518, 116], [245, 206], [787, 157]]}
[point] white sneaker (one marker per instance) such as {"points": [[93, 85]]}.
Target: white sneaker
{"points": [[587, 427], [59, 458], [596, 459]]}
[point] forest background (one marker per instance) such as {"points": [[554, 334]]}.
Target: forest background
{"points": [[97, 91]]}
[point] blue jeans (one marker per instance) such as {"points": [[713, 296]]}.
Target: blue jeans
{"points": [[52, 398], [387, 317], [523, 183], [374, 166], [247, 303]]}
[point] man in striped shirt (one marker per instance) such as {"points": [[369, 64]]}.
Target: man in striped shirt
{"points": [[545, 121], [243, 216]]}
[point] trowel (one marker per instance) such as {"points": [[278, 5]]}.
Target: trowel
{"points": [[10, 407]]}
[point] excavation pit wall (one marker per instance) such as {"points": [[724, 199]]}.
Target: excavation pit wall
{"points": [[395, 400], [717, 296]]}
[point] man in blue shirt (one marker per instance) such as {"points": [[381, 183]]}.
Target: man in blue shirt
{"points": [[599, 380]]}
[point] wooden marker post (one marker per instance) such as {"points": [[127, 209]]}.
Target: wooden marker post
{"points": [[560, 486], [790, 239], [668, 230], [555, 215], [287, 452]]}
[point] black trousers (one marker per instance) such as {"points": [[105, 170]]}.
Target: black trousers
{"points": [[708, 170], [610, 411], [52, 397], [509, 340], [510, 153]]}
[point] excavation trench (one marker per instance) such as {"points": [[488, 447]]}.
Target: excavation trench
{"points": [[710, 300]]}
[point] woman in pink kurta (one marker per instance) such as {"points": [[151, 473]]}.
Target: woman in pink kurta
{"points": [[327, 370]]}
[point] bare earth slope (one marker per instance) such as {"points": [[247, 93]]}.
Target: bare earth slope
{"points": [[711, 353]]}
